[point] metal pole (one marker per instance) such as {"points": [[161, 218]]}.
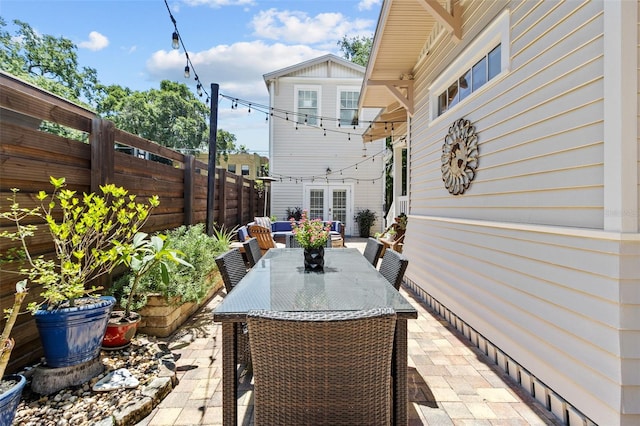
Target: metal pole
{"points": [[211, 170]]}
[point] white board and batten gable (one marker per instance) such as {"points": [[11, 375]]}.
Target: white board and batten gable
{"points": [[538, 260], [319, 161]]}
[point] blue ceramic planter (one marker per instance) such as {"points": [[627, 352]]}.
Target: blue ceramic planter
{"points": [[72, 336], [10, 399]]}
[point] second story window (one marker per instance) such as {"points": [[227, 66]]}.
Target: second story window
{"points": [[348, 107], [484, 60], [308, 105], [231, 168], [245, 170], [471, 80]]}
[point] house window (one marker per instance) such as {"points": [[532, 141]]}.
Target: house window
{"points": [[307, 105], [245, 170], [231, 168], [471, 80], [483, 60], [348, 107]]}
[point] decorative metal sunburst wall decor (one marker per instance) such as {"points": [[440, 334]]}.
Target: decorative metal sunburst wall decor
{"points": [[459, 156]]}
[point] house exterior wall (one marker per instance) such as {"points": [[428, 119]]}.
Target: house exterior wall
{"points": [[530, 255], [299, 158]]}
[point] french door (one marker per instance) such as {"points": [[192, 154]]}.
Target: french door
{"points": [[330, 202]]}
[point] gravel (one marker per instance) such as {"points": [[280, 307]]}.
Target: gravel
{"points": [[146, 359]]}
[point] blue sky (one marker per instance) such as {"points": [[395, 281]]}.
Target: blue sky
{"points": [[230, 42]]}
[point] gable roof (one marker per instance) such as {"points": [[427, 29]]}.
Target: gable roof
{"points": [[330, 58]]}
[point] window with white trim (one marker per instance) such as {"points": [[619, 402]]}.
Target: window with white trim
{"points": [[245, 169], [347, 106], [307, 105], [485, 59]]}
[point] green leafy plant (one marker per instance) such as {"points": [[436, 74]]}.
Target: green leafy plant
{"points": [[186, 284], [143, 255], [89, 233], [365, 219], [310, 233]]}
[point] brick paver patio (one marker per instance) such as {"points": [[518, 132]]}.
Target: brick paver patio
{"points": [[450, 381]]}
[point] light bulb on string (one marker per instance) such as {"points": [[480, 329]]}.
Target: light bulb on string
{"points": [[175, 40], [199, 89], [187, 73], [249, 112]]}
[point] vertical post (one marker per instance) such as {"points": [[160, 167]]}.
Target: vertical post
{"points": [[211, 178], [102, 143], [189, 193]]}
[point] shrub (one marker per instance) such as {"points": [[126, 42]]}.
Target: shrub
{"points": [[187, 284]]}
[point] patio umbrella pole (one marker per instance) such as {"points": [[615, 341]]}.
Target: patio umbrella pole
{"points": [[211, 170]]}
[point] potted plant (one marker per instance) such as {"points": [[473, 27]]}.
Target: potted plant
{"points": [[144, 254], [88, 233], [365, 219], [163, 306], [312, 235], [10, 386]]}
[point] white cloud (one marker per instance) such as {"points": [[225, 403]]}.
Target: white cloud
{"points": [[237, 68], [96, 42], [367, 4], [299, 27]]}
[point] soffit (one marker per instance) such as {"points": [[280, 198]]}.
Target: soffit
{"points": [[404, 26]]}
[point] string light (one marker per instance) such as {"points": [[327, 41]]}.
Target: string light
{"points": [[176, 42]]}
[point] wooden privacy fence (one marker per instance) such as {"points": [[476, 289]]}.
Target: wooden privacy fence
{"points": [[94, 153]]}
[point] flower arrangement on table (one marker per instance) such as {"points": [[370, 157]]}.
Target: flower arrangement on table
{"points": [[310, 233]]}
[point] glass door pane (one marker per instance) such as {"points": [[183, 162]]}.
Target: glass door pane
{"points": [[316, 204], [339, 206]]}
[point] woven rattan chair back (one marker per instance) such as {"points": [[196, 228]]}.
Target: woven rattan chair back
{"points": [[393, 267], [322, 368], [264, 237], [372, 251], [252, 250], [232, 268]]}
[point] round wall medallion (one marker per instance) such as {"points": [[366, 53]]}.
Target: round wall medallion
{"points": [[459, 156]]}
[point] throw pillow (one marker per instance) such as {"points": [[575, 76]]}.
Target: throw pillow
{"points": [[263, 221]]}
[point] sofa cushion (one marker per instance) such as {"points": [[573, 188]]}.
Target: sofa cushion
{"points": [[281, 226]]}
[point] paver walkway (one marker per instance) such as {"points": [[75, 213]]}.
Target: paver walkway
{"points": [[450, 381]]}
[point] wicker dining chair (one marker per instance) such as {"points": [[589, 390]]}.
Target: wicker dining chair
{"points": [[373, 250], [322, 368], [232, 268], [393, 267], [252, 251]]}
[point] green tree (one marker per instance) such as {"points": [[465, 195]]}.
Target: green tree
{"points": [[48, 62], [356, 49], [172, 116]]}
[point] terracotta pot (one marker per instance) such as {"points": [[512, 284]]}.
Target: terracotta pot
{"points": [[120, 330]]}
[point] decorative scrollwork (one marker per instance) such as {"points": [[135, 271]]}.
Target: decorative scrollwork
{"points": [[459, 156]]}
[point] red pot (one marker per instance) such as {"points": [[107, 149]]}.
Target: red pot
{"points": [[120, 330]]}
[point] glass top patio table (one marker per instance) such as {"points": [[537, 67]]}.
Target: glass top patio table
{"points": [[279, 282]]}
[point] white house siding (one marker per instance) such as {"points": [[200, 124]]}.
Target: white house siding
{"points": [[522, 256], [307, 152]]}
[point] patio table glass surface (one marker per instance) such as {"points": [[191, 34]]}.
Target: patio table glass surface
{"points": [[278, 282]]}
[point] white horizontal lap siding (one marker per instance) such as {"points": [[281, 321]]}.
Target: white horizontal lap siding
{"points": [[307, 152], [638, 119], [539, 128], [521, 256], [548, 300]]}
